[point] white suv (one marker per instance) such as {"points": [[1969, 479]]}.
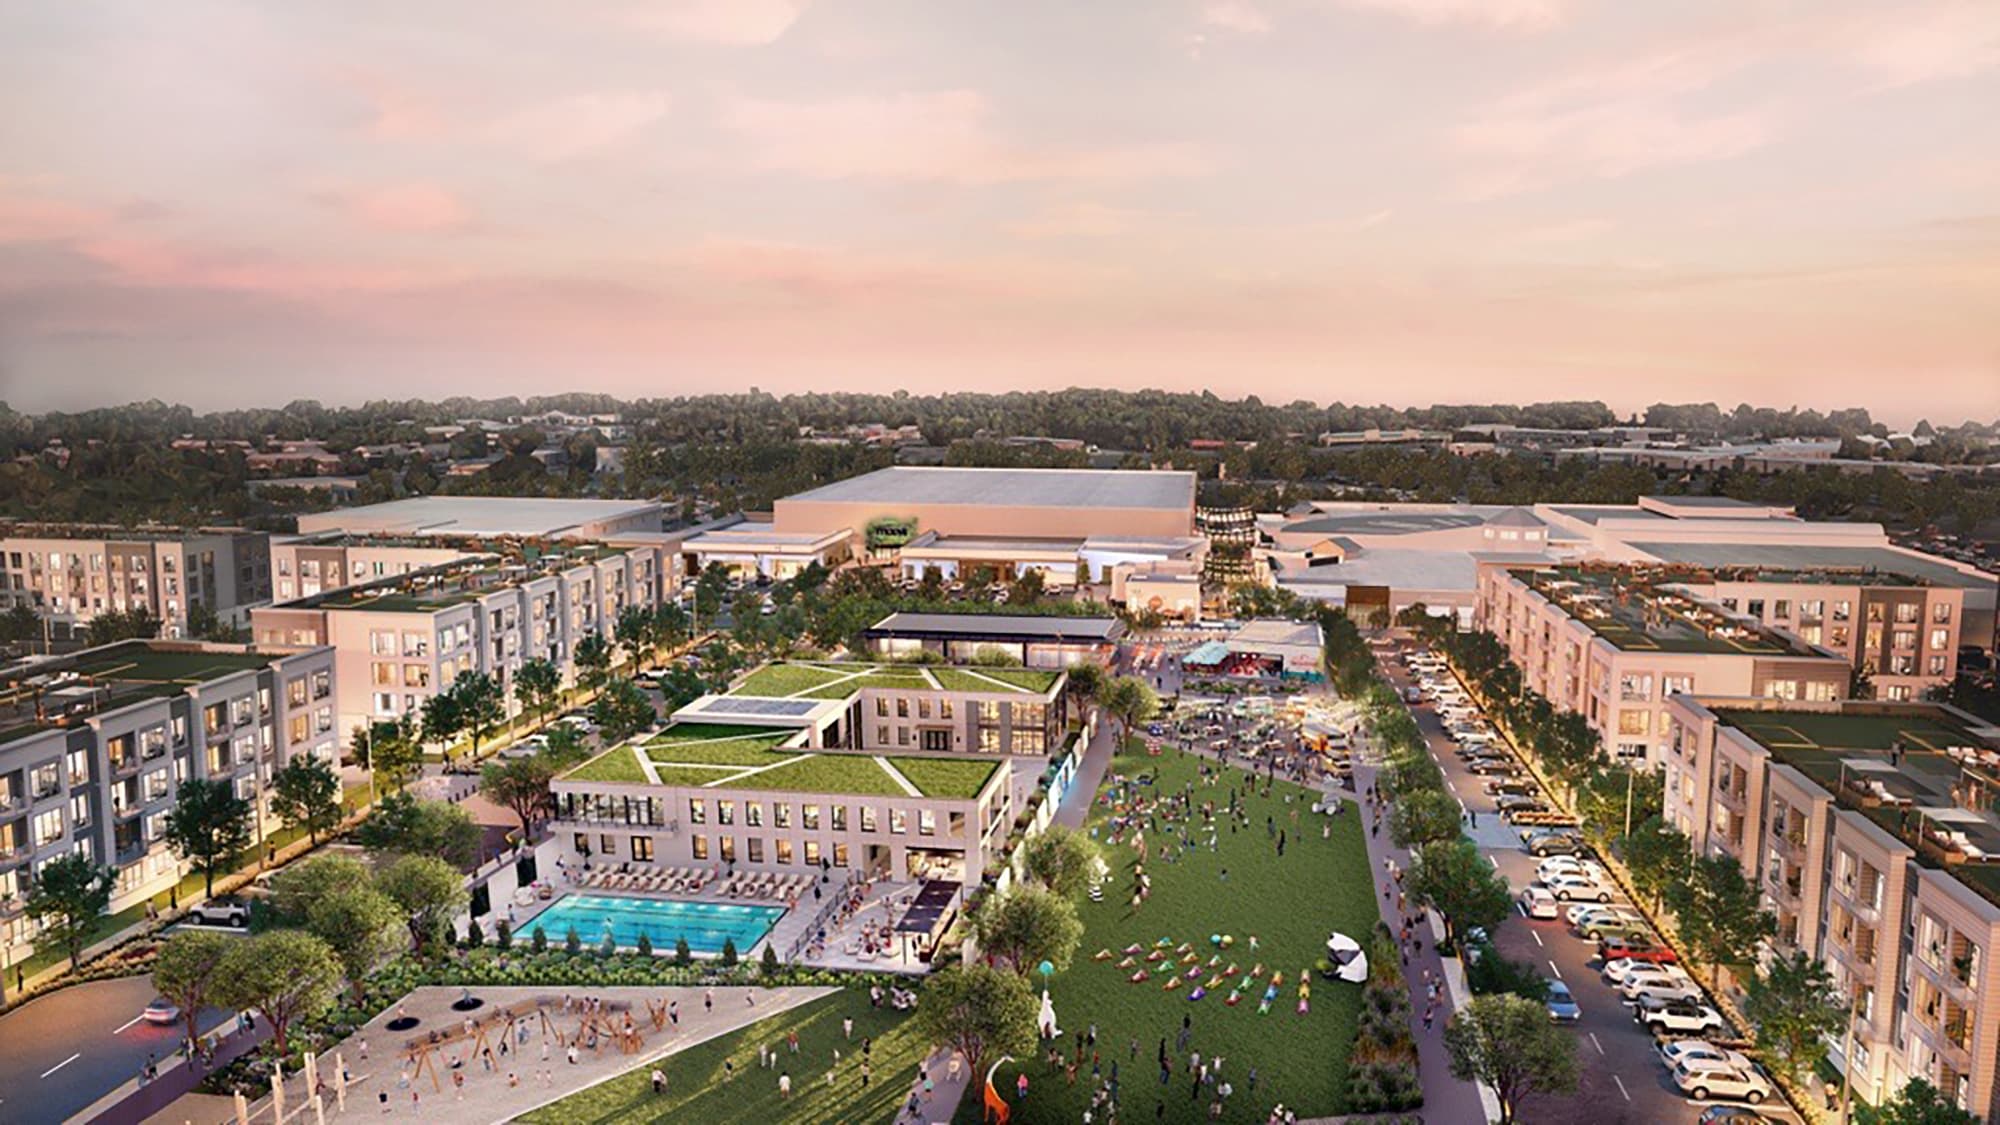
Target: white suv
{"points": [[1702, 1079], [1680, 1017], [1568, 865], [1659, 989], [1574, 886]]}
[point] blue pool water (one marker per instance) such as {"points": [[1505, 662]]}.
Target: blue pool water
{"points": [[705, 925]]}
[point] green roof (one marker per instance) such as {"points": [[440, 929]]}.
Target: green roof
{"points": [[1636, 614], [720, 756], [130, 672], [840, 679]]}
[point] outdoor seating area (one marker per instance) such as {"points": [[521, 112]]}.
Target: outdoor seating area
{"points": [[767, 886]]}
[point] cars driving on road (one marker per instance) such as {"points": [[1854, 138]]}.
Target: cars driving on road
{"points": [[161, 1011], [1562, 1005]]}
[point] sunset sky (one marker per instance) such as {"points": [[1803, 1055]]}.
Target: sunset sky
{"points": [[1402, 201]]}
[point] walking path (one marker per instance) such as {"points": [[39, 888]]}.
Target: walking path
{"points": [[132, 1103]]}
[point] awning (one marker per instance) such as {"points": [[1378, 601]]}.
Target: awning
{"points": [[1207, 653]]}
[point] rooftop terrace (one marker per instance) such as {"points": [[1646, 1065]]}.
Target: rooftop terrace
{"points": [[1916, 772], [37, 694], [729, 757], [455, 583], [1638, 610], [838, 680]]}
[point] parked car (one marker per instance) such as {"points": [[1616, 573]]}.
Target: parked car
{"points": [[1733, 1115], [1703, 1079], [1627, 929], [1635, 949], [527, 747], [1510, 807], [1674, 1051], [1576, 885], [1648, 990], [1617, 972], [1512, 787], [1490, 766], [1537, 902], [227, 910], [1563, 864], [161, 1011], [1680, 1017], [1554, 841], [1562, 1005], [1585, 914]]}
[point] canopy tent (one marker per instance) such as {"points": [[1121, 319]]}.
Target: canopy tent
{"points": [[1207, 654], [1350, 963]]}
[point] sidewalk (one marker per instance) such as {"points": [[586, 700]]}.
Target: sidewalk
{"points": [[132, 1103]]}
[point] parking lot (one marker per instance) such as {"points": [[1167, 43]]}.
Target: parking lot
{"points": [[1623, 1077]]}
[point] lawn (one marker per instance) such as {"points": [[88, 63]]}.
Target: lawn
{"points": [[1289, 903], [945, 777], [981, 679], [854, 775], [616, 764], [695, 732], [135, 661], [1805, 729], [697, 1090], [728, 752], [784, 679]]}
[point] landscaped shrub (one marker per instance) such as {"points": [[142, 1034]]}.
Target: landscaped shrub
{"points": [[683, 956], [645, 946], [1488, 973], [729, 951], [770, 965], [474, 936], [608, 946], [573, 941], [539, 940], [504, 935]]}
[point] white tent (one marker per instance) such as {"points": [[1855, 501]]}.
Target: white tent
{"points": [[1350, 963]]}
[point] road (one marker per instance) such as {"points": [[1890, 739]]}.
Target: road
{"points": [[1622, 1082], [67, 1049]]}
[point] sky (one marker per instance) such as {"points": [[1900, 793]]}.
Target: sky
{"points": [[1404, 201]]}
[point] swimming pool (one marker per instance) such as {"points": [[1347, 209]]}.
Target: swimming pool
{"points": [[705, 925]]}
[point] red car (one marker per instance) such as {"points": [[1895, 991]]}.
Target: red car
{"points": [[1636, 949]]}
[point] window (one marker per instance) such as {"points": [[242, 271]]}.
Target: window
{"points": [[700, 846], [926, 822], [1781, 608], [1729, 604], [1940, 638], [812, 853], [756, 849], [1940, 613], [729, 849], [1633, 721], [295, 691], [383, 674], [1635, 686], [868, 818], [382, 642], [923, 708], [1822, 691], [840, 855], [902, 708], [753, 814], [416, 675], [882, 735], [881, 707], [48, 827], [1782, 689], [385, 703], [1812, 607], [1935, 665], [781, 814], [839, 818], [899, 822], [809, 815], [725, 812], [785, 852], [1906, 613], [1843, 610], [1672, 685], [1756, 608], [944, 708]]}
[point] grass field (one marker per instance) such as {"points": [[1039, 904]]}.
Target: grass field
{"points": [[945, 777], [1290, 903], [698, 1092], [724, 752], [616, 764], [702, 732], [784, 679]]}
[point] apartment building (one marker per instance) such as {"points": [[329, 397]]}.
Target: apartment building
{"points": [[892, 771], [399, 640], [70, 574], [1870, 828], [1615, 643], [1902, 630], [305, 565], [94, 747]]}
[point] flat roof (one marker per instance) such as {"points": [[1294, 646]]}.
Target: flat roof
{"points": [[1778, 556], [1031, 488], [753, 759], [523, 516], [1597, 513], [1637, 612], [814, 682], [1396, 569], [118, 674], [1275, 633], [1704, 502], [1383, 523], [1010, 625]]}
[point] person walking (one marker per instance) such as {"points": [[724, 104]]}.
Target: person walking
{"points": [[659, 1081]]}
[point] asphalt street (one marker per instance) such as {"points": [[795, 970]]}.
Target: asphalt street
{"points": [[65, 1050], [1622, 1080]]}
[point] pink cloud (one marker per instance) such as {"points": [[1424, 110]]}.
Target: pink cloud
{"points": [[1503, 15], [943, 136], [1082, 220], [1936, 42], [579, 124], [408, 207], [729, 23], [1238, 16]]}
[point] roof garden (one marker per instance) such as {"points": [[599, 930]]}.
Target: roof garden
{"points": [[725, 756], [838, 680], [1638, 609], [101, 679], [1917, 773]]}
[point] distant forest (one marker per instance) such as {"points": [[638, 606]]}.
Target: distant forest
{"points": [[720, 453]]}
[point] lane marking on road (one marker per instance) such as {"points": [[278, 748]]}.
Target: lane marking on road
{"points": [[1621, 1087], [1555, 968], [1538, 939], [1595, 1043], [62, 1064], [128, 1023]]}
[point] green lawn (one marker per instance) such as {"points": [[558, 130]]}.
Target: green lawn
{"points": [[135, 661], [729, 752], [1290, 903], [784, 679], [695, 732], [697, 1090], [945, 777], [854, 775], [981, 679], [616, 764]]}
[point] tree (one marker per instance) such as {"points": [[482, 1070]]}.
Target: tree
{"points": [[1423, 816], [442, 718], [1508, 1044], [1920, 1103], [362, 926], [300, 887], [634, 632], [538, 687], [1129, 701], [1085, 683], [482, 706], [621, 711], [593, 661], [1719, 912], [306, 794], [564, 745], [66, 898], [1795, 1009], [283, 975], [1026, 926], [430, 893], [1657, 856], [522, 785], [19, 623], [209, 826], [184, 971], [1453, 877], [393, 751], [980, 1012], [406, 826], [1062, 859]]}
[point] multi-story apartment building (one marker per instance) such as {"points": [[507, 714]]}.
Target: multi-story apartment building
{"points": [[1871, 829], [71, 573], [399, 640], [1903, 631], [891, 771], [1615, 643], [95, 746], [304, 565]]}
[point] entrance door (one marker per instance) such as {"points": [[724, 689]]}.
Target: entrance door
{"points": [[935, 739]]}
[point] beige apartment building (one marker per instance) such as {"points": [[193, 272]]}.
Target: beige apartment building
{"points": [[305, 565], [69, 574], [1615, 643], [1903, 631], [399, 640], [95, 745], [1870, 828]]}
